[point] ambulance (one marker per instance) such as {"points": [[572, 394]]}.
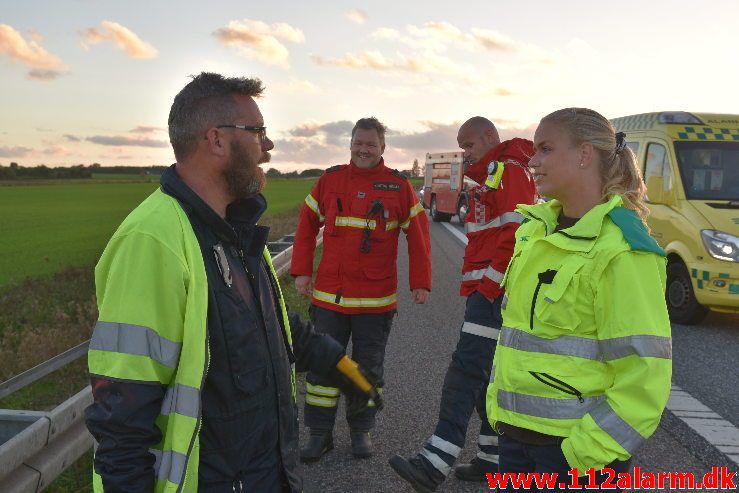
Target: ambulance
{"points": [[690, 163]]}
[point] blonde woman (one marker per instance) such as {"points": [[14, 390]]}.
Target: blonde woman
{"points": [[583, 367]]}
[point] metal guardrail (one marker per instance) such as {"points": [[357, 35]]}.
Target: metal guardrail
{"points": [[37, 446]]}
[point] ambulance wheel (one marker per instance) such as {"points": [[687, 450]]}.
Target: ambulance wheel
{"points": [[436, 216], [462, 209], [681, 303]]}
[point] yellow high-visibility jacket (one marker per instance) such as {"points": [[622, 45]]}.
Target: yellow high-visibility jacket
{"points": [[585, 349]]}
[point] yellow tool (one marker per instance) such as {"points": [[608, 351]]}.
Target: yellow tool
{"points": [[350, 369]]}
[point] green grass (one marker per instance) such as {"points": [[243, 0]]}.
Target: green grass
{"points": [[48, 228]]}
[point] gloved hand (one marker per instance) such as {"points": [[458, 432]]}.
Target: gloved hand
{"points": [[363, 386]]}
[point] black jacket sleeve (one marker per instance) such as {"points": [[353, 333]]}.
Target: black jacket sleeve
{"points": [[121, 419], [314, 352]]}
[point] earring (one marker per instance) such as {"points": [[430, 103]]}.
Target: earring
{"points": [[581, 165]]}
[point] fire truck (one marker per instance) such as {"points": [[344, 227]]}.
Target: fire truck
{"points": [[445, 186]]}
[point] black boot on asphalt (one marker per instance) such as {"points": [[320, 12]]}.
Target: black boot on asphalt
{"points": [[318, 444], [361, 444], [474, 471], [413, 471]]}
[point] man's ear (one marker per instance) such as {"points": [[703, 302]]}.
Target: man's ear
{"points": [[215, 143], [382, 148]]}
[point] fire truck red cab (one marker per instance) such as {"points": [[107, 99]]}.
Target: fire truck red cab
{"points": [[445, 186]]}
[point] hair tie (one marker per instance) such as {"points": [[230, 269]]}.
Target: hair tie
{"points": [[620, 142]]}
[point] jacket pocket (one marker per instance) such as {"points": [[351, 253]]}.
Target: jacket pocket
{"points": [[556, 297], [378, 270], [558, 384], [335, 206]]}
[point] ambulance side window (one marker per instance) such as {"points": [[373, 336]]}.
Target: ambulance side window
{"points": [[658, 163]]}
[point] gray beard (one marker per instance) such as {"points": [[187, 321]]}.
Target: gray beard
{"points": [[242, 175]]}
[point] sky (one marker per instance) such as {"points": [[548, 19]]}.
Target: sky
{"points": [[84, 81]]}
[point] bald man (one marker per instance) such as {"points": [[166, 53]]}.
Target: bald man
{"points": [[501, 171]]}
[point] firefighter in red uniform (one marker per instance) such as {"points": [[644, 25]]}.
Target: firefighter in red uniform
{"points": [[363, 206], [501, 171]]}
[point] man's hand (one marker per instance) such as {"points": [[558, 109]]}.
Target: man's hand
{"points": [[419, 295], [304, 285]]}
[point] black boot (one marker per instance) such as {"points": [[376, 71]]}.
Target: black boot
{"points": [[361, 444], [318, 444], [413, 471], [474, 471]]}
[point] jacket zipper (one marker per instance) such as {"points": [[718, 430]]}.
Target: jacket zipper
{"points": [[558, 384], [545, 277]]}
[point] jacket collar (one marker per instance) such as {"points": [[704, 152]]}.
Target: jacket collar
{"points": [[241, 216], [580, 237], [519, 149]]}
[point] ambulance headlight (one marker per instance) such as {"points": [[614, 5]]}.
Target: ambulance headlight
{"points": [[720, 245]]}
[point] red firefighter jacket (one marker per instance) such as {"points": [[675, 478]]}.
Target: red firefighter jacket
{"points": [[504, 181], [363, 211]]}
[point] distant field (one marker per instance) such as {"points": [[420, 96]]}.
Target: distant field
{"points": [[48, 228]]}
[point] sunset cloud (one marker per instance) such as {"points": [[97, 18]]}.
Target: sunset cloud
{"points": [[15, 151], [120, 140], [42, 65], [122, 37], [356, 15], [374, 60], [147, 129], [259, 40]]}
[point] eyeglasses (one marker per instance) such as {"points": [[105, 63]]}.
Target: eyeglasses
{"points": [[260, 131]]}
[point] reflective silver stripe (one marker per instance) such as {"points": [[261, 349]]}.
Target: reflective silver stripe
{"points": [[579, 347], [645, 346], [322, 391], [322, 402], [504, 302], [437, 462], [480, 330], [354, 222], [444, 446], [353, 302], [313, 205], [492, 374], [494, 458], [181, 399], [488, 440], [488, 272], [473, 275], [547, 407], [621, 431], [391, 225], [496, 222], [137, 340], [169, 465], [494, 274], [415, 210]]}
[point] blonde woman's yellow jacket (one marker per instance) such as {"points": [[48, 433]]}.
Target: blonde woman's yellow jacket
{"points": [[585, 349]]}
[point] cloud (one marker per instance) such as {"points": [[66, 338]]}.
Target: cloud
{"points": [[296, 86], [57, 151], [71, 138], [259, 40], [119, 140], [357, 15], [15, 151], [42, 65], [374, 60], [121, 36], [147, 129]]}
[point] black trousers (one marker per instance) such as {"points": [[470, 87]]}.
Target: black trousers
{"points": [[368, 333]]}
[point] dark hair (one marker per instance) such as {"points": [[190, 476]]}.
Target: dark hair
{"points": [[205, 102], [371, 123], [617, 164]]}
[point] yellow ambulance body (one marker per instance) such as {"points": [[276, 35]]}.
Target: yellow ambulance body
{"points": [[690, 163]]}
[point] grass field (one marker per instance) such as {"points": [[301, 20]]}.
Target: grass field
{"points": [[48, 228]]}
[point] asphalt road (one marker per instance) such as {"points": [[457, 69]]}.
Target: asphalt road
{"points": [[418, 353]]}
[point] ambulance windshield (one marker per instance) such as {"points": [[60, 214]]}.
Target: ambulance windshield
{"points": [[709, 170]]}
